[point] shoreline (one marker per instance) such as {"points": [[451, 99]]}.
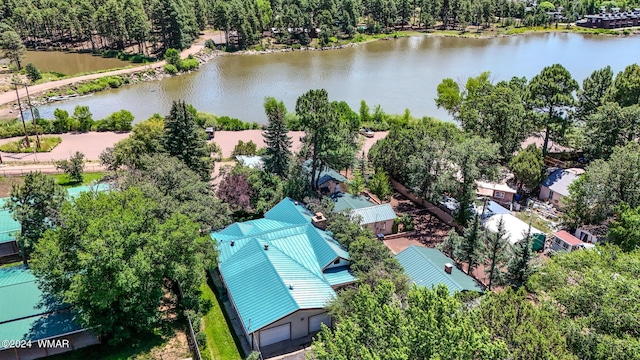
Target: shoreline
{"points": [[155, 71]]}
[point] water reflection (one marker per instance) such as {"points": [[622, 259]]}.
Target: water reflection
{"points": [[398, 74]]}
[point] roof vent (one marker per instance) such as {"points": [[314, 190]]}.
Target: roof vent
{"points": [[448, 267], [232, 242], [290, 286], [319, 221], [295, 202], [266, 246]]}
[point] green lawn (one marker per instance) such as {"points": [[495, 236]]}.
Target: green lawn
{"points": [[220, 341], [89, 177], [139, 348]]}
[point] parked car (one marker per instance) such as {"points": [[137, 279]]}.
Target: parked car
{"points": [[367, 132]]}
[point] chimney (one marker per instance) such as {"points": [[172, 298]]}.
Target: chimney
{"points": [[266, 247], [448, 267], [319, 221]]}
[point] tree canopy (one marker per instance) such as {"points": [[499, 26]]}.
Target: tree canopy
{"points": [[432, 325], [110, 257], [36, 206]]}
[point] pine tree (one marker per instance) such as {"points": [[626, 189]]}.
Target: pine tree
{"points": [[497, 247], [472, 246], [519, 267], [276, 137], [186, 141]]}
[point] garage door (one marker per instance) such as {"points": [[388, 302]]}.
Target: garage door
{"points": [[315, 321], [276, 334]]}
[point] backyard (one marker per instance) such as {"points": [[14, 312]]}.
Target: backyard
{"points": [[221, 344]]}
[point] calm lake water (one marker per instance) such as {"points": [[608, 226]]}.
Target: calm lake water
{"points": [[71, 63], [397, 74]]}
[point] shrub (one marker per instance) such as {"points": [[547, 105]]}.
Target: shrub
{"points": [[249, 148], [210, 44], [188, 64], [74, 167], [170, 69], [118, 121], [232, 124], [172, 57], [33, 73], [114, 82]]}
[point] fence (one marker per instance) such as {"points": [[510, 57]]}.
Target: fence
{"points": [[441, 214], [191, 339]]}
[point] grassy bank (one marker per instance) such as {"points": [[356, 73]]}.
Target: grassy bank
{"points": [[220, 342], [46, 145]]}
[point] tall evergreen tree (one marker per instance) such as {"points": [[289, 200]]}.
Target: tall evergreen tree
{"points": [[497, 247], [186, 141], [472, 247], [324, 138], [276, 137], [519, 268]]}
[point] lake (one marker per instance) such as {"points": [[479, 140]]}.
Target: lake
{"points": [[69, 63], [397, 74]]}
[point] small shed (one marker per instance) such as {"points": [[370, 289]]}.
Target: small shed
{"points": [[516, 230], [500, 193], [379, 218], [593, 233], [563, 241]]}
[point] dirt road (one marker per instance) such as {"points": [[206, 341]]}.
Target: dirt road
{"points": [[10, 96]]}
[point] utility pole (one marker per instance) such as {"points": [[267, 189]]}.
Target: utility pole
{"points": [[24, 125], [33, 118]]}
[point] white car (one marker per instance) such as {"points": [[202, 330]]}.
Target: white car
{"points": [[367, 132]]}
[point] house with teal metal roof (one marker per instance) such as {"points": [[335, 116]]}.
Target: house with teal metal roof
{"points": [[429, 267], [379, 218], [9, 227], [30, 315], [280, 272]]}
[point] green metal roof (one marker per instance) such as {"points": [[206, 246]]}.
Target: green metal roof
{"points": [[8, 226], [40, 327], [349, 202], [425, 267], [27, 313], [373, 214], [266, 285], [339, 275]]}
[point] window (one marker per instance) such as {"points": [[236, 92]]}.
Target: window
{"points": [[498, 194], [383, 225]]}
